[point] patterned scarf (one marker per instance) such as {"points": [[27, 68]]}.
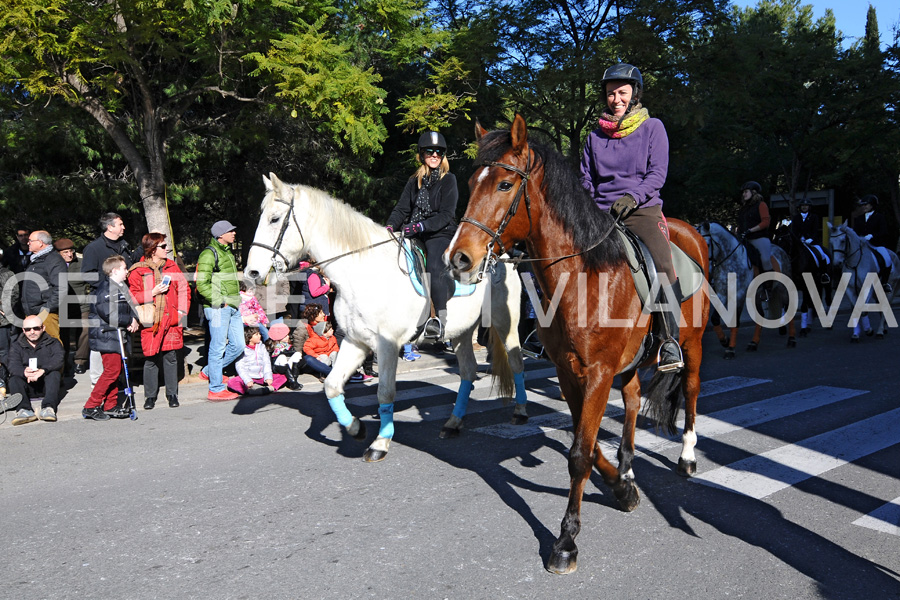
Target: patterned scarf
{"points": [[159, 302], [423, 203], [628, 124]]}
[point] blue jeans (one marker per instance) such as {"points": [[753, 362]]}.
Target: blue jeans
{"points": [[226, 342]]}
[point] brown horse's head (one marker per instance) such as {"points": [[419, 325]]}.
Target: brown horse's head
{"points": [[500, 213]]}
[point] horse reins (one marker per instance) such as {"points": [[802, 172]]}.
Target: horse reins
{"points": [[494, 257], [276, 248]]}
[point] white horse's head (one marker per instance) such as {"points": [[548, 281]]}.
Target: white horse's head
{"points": [[844, 243], [278, 242], [720, 241]]}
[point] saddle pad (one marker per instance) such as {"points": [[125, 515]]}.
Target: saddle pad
{"points": [[415, 266], [690, 273]]}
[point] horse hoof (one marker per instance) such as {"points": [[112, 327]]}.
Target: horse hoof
{"points": [[562, 562], [792, 343], [729, 354], [519, 419], [628, 496], [372, 456], [870, 332], [854, 339], [804, 332], [357, 430], [752, 347], [724, 342], [687, 468], [879, 336], [448, 433], [782, 330]]}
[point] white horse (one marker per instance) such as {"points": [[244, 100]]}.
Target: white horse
{"points": [[856, 259], [728, 260], [378, 306]]}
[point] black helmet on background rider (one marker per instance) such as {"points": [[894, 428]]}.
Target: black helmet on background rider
{"points": [[868, 199], [752, 186], [805, 202], [432, 139], [625, 72]]}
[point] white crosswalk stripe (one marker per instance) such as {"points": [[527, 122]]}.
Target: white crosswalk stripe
{"points": [[885, 519]]}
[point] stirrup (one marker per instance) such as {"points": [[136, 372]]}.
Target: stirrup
{"points": [[434, 329], [888, 289], [673, 366], [825, 279]]}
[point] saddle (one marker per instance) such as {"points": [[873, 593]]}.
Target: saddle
{"points": [[643, 270], [414, 252]]}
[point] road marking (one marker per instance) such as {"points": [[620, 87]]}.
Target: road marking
{"points": [[885, 519], [764, 474]]}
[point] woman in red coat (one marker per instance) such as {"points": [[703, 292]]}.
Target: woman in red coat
{"points": [[161, 288]]}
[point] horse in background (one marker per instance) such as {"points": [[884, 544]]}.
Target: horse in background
{"points": [[729, 261], [859, 268], [811, 273], [377, 304], [527, 192]]}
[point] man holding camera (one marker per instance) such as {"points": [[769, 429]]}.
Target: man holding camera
{"points": [[36, 362]]}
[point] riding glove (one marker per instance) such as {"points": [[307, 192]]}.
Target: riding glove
{"points": [[413, 229], [624, 206], [867, 237]]}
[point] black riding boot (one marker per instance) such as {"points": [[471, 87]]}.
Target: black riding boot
{"points": [[434, 327], [884, 275], [670, 358]]}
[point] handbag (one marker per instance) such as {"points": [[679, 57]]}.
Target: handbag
{"points": [[146, 314]]}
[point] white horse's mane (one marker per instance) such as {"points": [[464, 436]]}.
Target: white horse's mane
{"points": [[347, 228]]}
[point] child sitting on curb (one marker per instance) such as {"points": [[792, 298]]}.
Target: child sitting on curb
{"points": [[285, 361], [255, 368]]}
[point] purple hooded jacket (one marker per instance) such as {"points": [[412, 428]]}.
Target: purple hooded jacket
{"points": [[635, 164]]}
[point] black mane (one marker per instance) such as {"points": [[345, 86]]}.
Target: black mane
{"points": [[566, 198]]}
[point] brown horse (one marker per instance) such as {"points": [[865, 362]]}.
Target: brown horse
{"points": [[582, 266]]}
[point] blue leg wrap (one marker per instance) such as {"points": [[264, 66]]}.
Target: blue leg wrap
{"points": [[462, 398], [340, 410], [386, 414], [521, 396]]}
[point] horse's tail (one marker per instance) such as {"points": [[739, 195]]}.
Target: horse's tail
{"points": [[501, 371], [663, 395]]}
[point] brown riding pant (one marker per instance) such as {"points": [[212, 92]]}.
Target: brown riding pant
{"points": [[649, 224]]}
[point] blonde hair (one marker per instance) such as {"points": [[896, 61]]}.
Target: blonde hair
{"points": [[422, 171]]}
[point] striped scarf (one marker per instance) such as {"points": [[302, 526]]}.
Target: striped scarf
{"points": [[628, 124]]}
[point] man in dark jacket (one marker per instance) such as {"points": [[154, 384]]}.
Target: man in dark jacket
{"points": [[40, 288], [17, 255], [74, 306], [35, 365], [9, 298], [110, 243]]}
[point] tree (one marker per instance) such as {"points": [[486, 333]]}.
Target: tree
{"points": [[141, 69]]}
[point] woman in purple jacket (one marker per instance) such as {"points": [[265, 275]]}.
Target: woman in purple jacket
{"points": [[623, 168]]}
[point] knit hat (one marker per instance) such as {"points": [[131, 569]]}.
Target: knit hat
{"points": [[220, 228], [278, 331], [64, 244]]}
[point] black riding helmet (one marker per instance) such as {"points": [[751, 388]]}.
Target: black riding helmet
{"points": [[432, 139], [625, 72], [752, 186], [868, 199]]}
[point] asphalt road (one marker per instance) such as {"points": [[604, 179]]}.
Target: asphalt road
{"points": [[796, 494]]}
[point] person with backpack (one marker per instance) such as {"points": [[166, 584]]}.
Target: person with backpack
{"points": [[219, 288]]}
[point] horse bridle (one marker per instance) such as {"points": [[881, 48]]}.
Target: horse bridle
{"points": [[847, 255], [711, 242], [276, 249], [492, 257]]}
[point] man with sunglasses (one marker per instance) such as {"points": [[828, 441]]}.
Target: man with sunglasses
{"points": [[35, 366], [427, 210]]}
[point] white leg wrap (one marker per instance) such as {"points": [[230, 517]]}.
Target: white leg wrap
{"points": [[688, 441]]}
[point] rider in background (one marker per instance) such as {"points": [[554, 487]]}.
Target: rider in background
{"points": [[753, 225], [427, 210], [623, 168], [872, 227], [807, 228]]}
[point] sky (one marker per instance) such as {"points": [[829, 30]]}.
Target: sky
{"points": [[850, 15]]}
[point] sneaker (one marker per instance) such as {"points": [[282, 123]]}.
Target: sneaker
{"points": [[9, 402], [223, 396], [411, 356], [95, 413], [203, 376], [25, 415], [119, 412], [47, 414], [357, 378]]}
